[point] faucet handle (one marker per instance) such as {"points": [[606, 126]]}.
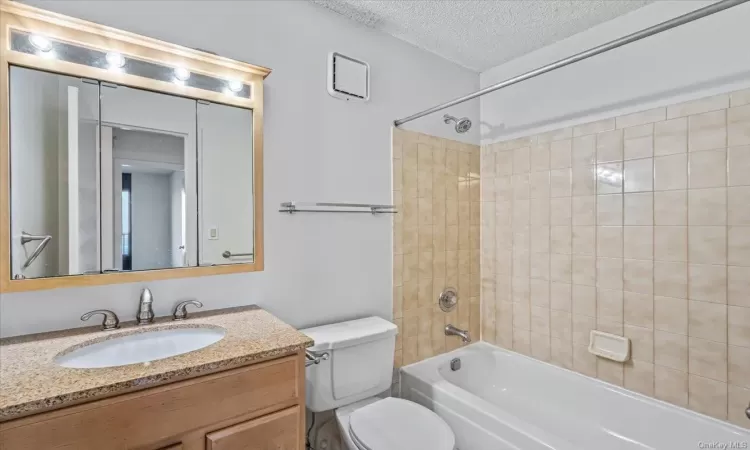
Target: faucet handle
{"points": [[180, 311], [111, 322]]}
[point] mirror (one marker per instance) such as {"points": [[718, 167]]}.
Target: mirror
{"points": [[107, 178], [226, 184], [123, 158], [149, 176], [54, 196]]}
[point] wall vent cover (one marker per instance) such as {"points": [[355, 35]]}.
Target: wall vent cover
{"points": [[348, 78]]}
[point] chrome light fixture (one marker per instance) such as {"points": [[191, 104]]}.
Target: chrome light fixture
{"points": [[234, 85], [115, 60], [181, 74], [40, 42]]}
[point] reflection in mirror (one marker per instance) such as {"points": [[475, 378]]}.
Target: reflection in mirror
{"points": [[109, 178], [53, 162], [225, 151], [149, 199], [148, 180]]}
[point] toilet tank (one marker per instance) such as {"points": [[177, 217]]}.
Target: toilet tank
{"points": [[360, 363]]}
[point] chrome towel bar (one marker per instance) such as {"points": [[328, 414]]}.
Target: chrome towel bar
{"points": [[227, 254], [328, 207], [312, 358]]}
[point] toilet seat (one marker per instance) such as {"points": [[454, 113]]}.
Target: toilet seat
{"points": [[396, 424]]}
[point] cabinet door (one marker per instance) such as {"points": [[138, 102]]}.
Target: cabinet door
{"points": [[277, 431]]}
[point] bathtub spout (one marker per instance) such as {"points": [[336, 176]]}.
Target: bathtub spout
{"points": [[450, 330]]}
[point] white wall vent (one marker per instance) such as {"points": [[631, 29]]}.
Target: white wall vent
{"points": [[348, 78]]}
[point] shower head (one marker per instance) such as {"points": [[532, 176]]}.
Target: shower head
{"points": [[462, 125]]}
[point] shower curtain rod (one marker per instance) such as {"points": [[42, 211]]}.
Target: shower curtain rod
{"points": [[637, 36]]}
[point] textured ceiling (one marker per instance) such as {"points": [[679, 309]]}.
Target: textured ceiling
{"points": [[481, 34]]}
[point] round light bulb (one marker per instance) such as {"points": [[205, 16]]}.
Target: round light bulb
{"points": [[40, 42], [181, 73], [115, 59], [234, 85]]}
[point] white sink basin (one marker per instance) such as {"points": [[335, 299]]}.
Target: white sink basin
{"points": [[140, 347]]}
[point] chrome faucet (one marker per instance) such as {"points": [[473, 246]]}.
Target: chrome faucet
{"points": [[450, 330], [180, 311], [145, 311], [111, 322]]}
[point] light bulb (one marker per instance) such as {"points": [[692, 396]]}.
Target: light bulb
{"points": [[115, 60], [41, 43], [181, 73], [234, 85]]}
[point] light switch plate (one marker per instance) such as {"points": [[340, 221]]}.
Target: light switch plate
{"points": [[213, 233]]}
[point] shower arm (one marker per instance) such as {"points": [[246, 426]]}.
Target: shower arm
{"points": [[637, 36], [25, 239]]}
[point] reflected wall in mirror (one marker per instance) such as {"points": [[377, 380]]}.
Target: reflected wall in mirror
{"points": [[226, 184], [54, 149]]}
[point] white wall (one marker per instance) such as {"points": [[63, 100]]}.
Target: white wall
{"points": [[151, 211], [318, 267], [699, 59]]}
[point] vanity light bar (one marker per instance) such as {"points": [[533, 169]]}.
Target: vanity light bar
{"points": [[46, 47]]}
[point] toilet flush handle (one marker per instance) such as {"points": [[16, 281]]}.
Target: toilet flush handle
{"points": [[312, 357]]}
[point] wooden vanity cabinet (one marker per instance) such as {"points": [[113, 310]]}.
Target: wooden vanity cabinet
{"points": [[274, 431], [255, 407]]}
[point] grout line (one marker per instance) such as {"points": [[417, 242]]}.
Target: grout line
{"points": [[726, 252], [689, 158], [653, 262]]}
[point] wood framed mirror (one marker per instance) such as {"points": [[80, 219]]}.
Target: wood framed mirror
{"points": [[123, 158]]}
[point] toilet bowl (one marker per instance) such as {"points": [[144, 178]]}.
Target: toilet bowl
{"points": [[392, 424], [359, 367]]}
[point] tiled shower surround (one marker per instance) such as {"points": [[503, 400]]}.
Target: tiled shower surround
{"points": [[436, 242], [638, 226]]}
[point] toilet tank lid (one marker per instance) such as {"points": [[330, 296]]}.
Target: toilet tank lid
{"points": [[352, 332]]}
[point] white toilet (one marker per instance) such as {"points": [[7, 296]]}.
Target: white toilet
{"points": [[360, 366]]}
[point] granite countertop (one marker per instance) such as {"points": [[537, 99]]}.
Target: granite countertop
{"points": [[31, 381]]}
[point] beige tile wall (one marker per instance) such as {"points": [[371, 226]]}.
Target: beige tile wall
{"points": [[436, 241], [639, 226]]}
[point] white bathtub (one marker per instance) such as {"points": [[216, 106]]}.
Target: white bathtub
{"points": [[502, 400]]}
